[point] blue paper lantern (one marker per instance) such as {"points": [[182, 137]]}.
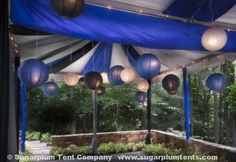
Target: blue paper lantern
{"points": [[216, 82], [140, 97], [148, 66], [114, 75], [33, 73], [50, 89]]}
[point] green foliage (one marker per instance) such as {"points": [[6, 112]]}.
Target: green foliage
{"points": [[27, 152], [103, 149], [70, 150], [118, 111], [46, 137], [167, 110], [55, 151], [112, 148], [231, 98], [161, 149], [32, 136]]}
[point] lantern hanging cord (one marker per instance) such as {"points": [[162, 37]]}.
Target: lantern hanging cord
{"points": [[36, 45], [127, 53], [197, 11], [212, 14], [93, 61], [103, 61]]}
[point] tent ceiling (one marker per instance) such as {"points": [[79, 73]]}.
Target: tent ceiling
{"points": [[170, 59], [51, 48], [157, 7]]}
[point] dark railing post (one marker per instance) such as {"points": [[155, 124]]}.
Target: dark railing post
{"points": [[23, 100], [93, 145], [17, 99], [186, 103], [149, 115]]}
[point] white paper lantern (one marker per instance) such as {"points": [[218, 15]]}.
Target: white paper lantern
{"points": [[214, 39], [104, 77], [71, 79], [143, 85], [128, 75]]}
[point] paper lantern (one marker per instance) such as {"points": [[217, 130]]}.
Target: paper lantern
{"points": [[143, 85], [33, 73], [93, 80], [171, 84], [100, 90], [216, 82], [71, 79], [50, 89], [148, 66], [81, 82], [114, 75], [140, 97], [68, 8], [104, 77], [127, 75], [214, 39]]}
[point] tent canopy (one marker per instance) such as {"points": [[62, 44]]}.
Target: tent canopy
{"points": [[117, 32]]}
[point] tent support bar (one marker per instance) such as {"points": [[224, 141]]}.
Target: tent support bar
{"points": [[149, 115], [93, 145], [186, 103], [23, 99]]}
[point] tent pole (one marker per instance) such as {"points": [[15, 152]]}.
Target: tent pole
{"points": [[93, 145], [186, 103], [149, 115], [23, 99], [17, 102]]}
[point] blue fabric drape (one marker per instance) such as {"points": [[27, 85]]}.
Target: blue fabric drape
{"points": [[200, 9], [132, 59], [113, 26], [100, 60]]}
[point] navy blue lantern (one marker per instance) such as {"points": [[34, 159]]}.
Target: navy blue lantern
{"points": [[50, 89], [114, 75], [140, 96], [171, 84], [68, 8], [148, 66], [33, 73], [216, 82], [93, 80]]}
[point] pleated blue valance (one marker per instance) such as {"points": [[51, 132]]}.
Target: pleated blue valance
{"points": [[100, 60], [113, 26]]}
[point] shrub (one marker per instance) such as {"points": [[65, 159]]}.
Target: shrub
{"points": [[139, 146], [104, 149], [55, 151], [83, 150], [46, 137], [70, 150], [26, 153], [161, 149], [32, 136], [111, 148]]}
